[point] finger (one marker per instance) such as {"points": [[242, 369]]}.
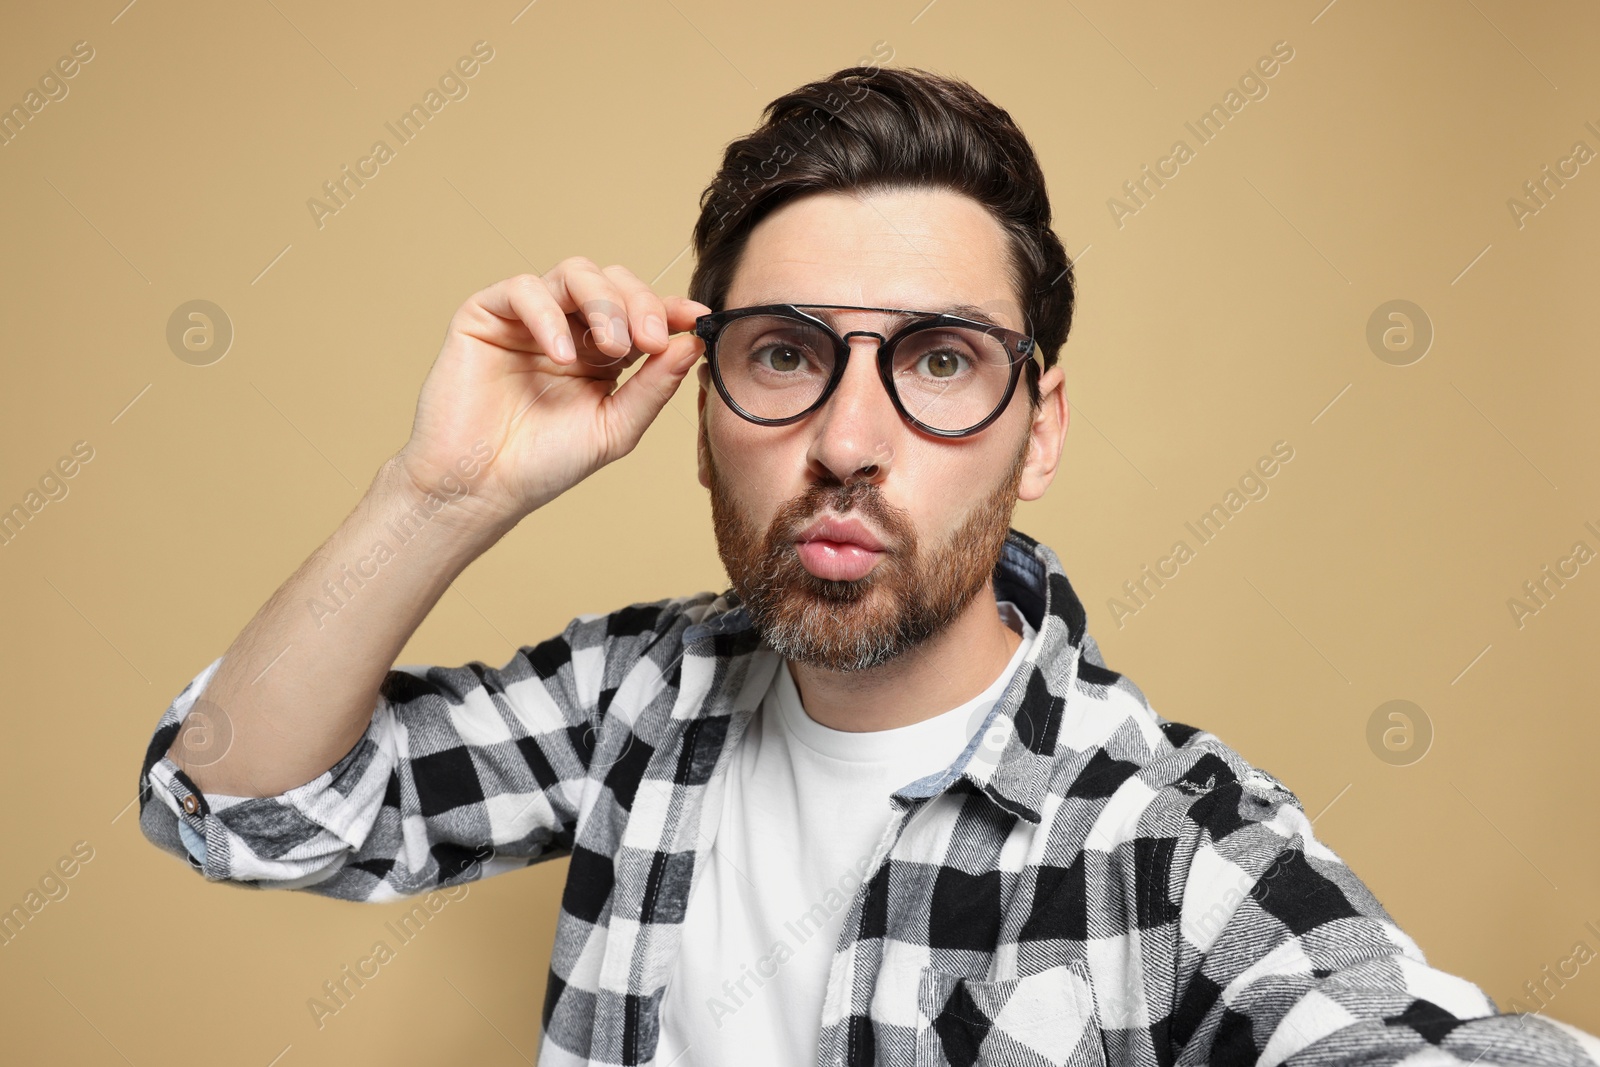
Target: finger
{"points": [[527, 299], [578, 282], [638, 401], [681, 312], [647, 316]]}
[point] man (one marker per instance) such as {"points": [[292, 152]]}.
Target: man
{"points": [[881, 801]]}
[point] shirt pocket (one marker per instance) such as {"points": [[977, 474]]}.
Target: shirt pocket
{"points": [[1039, 1019]]}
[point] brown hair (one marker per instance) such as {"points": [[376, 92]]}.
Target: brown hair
{"points": [[866, 128]]}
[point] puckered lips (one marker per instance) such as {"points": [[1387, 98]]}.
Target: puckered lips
{"points": [[838, 549]]}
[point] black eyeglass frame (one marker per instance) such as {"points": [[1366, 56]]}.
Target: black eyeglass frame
{"points": [[1019, 347]]}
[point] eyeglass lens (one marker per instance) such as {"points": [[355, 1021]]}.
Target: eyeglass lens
{"points": [[948, 377]]}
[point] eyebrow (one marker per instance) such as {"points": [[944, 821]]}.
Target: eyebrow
{"points": [[971, 311]]}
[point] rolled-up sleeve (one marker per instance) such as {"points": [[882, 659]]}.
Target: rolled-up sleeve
{"points": [[462, 773]]}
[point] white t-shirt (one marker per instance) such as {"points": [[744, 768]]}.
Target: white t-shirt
{"points": [[803, 810]]}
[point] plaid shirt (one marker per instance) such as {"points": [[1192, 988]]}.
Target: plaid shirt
{"points": [[1088, 883]]}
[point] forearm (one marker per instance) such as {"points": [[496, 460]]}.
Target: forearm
{"points": [[298, 686]]}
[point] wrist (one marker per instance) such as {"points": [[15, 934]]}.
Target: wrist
{"points": [[397, 499]]}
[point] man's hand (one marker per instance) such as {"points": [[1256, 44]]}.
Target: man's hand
{"points": [[529, 367], [522, 404]]}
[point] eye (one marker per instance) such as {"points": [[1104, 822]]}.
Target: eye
{"points": [[782, 358], [942, 363]]}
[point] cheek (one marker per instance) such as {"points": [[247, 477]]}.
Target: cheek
{"points": [[757, 468], [942, 484], [935, 484]]}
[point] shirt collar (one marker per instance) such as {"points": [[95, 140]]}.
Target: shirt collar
{"points": [[1011, 757]]}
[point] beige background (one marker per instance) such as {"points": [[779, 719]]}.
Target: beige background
{"points": [[1229, 313]]}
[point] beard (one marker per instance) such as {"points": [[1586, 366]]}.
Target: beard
{"points": [[913, 593]]}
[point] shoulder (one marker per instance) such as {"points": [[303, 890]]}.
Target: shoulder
{"points": [[582, 665], [634, 629], [1163, 777], [658, 617], [1183, 811], [632, 659]]}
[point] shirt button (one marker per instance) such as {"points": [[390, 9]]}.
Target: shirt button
{"points": [[191, 804]]}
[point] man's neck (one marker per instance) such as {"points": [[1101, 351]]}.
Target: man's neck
{"points": [[943, 672]]}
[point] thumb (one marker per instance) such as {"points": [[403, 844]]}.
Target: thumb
{"points": [[637, 401]]}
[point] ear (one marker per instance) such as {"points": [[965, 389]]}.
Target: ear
{"points": [[1047, 435], [702, 443]]}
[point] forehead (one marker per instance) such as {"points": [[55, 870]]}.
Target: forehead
{"points": [[923, 249]]}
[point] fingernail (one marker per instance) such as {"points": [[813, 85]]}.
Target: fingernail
{"points": [[654, 326], [619, 329], [564, 349]]}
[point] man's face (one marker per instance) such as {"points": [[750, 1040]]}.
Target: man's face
{"points": [[939, 507]]}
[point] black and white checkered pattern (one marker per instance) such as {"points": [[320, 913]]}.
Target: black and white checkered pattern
{"points": [[1089, 883]]}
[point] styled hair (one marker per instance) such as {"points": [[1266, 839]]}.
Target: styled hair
{"points": [[868, 128]]}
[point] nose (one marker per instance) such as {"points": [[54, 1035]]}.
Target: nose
{"points": [[855, 430]]}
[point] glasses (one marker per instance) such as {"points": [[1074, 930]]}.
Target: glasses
{"points": [[948, 376]]}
